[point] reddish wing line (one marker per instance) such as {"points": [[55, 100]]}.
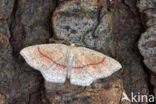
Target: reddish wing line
{"points": [[79, 67], [60, 65], [63, 66]]}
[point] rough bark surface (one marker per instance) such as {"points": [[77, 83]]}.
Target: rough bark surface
{"points": [[114, 27]]}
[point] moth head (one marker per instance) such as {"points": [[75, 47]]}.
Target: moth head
{"points": [[72, 45]]}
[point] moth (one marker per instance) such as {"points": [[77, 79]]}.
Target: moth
{"points": [[58, 62]]}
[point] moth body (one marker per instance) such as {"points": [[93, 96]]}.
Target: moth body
{"points": [[58, 62]]}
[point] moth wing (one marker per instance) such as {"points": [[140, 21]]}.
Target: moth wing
{"points": [[90, 65], [49, 59]]}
